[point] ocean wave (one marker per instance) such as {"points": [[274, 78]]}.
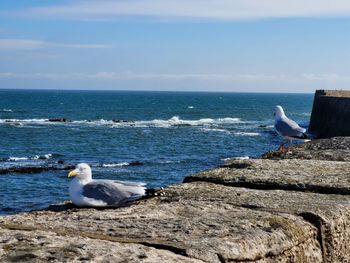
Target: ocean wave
{"points": [[35, 157], [247, 133], [24, 121], [175, 121], [216, 130], [6, 110], [115, 164], [236, 158]]}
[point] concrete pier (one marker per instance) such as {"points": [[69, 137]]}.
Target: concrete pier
{"points": [[330, 114]]}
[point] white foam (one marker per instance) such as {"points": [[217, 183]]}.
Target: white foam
{"points": [[236, 158], [159, 123], [215, 130], [15, 159], [241, 158], [247, 133], [45, 156], [24, 121], [35, 157], [115, 164], [176, 121], [6, 110]]}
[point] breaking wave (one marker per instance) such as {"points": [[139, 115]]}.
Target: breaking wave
{"points": [[115, 164], [236, 158], [247, 133], [175, 121], [34, 157]]}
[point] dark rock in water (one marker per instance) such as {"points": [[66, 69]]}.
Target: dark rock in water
{"points": [[136, 163], [34, 169], [60, 161], [59, 120], [262, 126], [118, 121]]}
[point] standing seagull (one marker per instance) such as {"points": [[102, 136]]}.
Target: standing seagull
{"points": [[85, 191], [287, 127]]}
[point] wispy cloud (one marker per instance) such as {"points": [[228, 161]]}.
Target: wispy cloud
{"points": [[27, 44], [204, 9], [330, 77]]}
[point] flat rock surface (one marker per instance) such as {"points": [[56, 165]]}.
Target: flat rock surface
{"points": [[203, 230], [44, 246], [289, 174], [329, 213]]}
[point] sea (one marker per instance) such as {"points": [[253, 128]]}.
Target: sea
{"points": [[153, 137]]}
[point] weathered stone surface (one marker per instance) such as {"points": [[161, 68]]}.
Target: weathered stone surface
{"points": [[301, 175], [43, 246], [329, 213], [200, 229], [333, 149]]}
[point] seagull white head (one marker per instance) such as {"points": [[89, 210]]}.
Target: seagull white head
{"points": [[82, 171], [279, 112]]}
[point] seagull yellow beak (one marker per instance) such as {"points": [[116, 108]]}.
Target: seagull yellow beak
{"points": [[73, 173]]}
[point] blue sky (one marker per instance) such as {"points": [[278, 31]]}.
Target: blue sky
{"points": [[221, 45]]}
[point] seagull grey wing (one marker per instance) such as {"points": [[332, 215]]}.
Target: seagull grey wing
{"points": [[289, 128], [127, 186], [129, 183], [108, 193]]}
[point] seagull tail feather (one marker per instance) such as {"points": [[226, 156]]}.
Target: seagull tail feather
{"points": [[303, 136], [150, 192]]}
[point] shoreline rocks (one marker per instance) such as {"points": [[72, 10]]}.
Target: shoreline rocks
{"points": [[291, 207], [35, 169]]}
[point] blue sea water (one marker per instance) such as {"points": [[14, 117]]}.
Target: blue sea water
{"points": [[154, 137]]}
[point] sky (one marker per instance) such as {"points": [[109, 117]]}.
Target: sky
{"points": [[175, 45]]}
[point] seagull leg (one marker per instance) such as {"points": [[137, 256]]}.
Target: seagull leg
{"points": [[282, 148]]}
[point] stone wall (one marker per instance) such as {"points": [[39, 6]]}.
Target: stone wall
{"points": [[330, 114]]}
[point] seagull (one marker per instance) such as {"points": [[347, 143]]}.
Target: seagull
{"points": [[85, 191], [287, 127]]}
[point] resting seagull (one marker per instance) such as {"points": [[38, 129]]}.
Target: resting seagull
{"points": [[85, 191], [287, 127]]}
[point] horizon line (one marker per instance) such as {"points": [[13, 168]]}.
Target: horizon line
{"points": [[155, 90]]}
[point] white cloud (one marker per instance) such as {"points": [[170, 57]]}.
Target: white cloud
{"points": [[203, 9], [28, 44]]}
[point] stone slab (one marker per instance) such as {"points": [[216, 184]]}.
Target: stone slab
{"points": [[44, 246], [329, 213], [328, 177], [199, 229]]}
